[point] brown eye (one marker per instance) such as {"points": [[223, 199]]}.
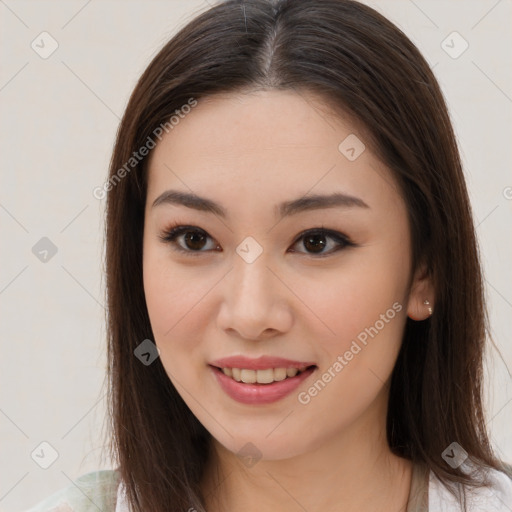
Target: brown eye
{"points": [[315, 241], [189, 239], [194, 240]]}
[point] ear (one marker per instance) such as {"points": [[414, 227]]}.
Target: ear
{"points": [[421, 290]]}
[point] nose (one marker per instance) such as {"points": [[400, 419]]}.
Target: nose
{"points": [[255, 302]]}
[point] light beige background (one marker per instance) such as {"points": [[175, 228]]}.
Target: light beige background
{"points": [[58, 120]]}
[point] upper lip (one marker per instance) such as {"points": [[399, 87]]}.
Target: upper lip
{"points": [[260, 363]]}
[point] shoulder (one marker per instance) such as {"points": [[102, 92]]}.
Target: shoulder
{"points": [[497, 497], [90, 492]]}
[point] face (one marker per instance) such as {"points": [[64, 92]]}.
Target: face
{"points": [[266, 272]]}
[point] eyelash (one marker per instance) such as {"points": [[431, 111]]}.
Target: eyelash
{"points": [[172, 232]]}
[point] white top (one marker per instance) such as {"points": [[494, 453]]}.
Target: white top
{"points": [[104, 490], [495, 499]]}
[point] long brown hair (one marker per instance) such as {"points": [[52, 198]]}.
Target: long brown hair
{"points": [[361, 64]]}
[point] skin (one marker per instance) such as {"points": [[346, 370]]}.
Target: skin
{"points": [[249, 152]]}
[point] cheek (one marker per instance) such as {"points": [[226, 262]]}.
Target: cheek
{"points": [[365, 314], [364, 305], [175, 299], [162, 299]]}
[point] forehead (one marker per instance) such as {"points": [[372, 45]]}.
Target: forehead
{"points": [[262, 121], [266, 145]]}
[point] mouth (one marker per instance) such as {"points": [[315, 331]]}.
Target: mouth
{"points": [[258, 387], [263, 376], [260, 380]]}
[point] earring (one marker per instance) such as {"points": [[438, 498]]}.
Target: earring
{"points": [[427, 303]]}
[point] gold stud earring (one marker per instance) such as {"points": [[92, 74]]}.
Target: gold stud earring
{"points": [[427, 303]]}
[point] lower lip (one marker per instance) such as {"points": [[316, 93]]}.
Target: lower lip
{"points": [[259, 393]]}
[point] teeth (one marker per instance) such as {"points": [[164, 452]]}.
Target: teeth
{"points": [[266, 376], [248, 376], [291, 372], [279, 374]]}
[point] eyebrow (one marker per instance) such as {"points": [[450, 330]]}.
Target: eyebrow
{"points": [[287, 208]]}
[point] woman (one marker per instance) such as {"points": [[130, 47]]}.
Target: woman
{"points": [[296, 318]]}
